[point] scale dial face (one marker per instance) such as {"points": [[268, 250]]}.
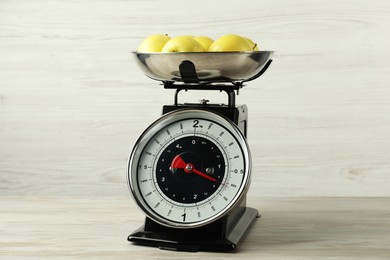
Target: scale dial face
{"points": [[189, 168]]}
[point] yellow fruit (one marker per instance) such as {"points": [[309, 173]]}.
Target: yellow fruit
{"points": [[153, 43], [254, 45], [204, 41], [182, 44], [230, 42]]}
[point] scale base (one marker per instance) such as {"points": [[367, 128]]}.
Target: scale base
{"points": [[215, 237]]}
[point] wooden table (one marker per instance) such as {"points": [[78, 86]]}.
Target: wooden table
{"points": [[73, 102], [290, 228]]}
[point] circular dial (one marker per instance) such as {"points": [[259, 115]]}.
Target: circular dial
{"points": [[196, 169], [189, 168]]}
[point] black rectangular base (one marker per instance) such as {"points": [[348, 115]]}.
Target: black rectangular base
{"points": [[216, 237]]}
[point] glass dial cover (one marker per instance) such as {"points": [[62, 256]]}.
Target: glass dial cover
{"points": [[189, 168]]}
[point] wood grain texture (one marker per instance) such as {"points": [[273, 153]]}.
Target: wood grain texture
{"points": [[73, 102], [290, 228]]}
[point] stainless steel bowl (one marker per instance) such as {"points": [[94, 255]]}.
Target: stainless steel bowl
{"points": [[209, 66]]}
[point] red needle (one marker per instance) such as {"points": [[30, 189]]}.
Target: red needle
{"points": [[204, 175], [179, 163]]}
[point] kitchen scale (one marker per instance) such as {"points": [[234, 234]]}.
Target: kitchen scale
{"points": [[190, 170]]}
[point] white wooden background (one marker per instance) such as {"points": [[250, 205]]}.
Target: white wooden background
{"points": [[73, 101]]}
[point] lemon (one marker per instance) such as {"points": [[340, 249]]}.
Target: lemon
{"points": [[182, 44], [153, 43], [230, 42], [254, 45], [204, 41]]}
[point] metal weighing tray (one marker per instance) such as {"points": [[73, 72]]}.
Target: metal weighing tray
{"points": [[204, 66]]}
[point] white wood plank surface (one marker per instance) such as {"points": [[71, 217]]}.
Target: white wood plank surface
{"points": [[290, 228], [73, 102]]}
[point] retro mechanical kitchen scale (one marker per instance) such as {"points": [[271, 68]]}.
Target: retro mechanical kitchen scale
{"points": [[190, 170]]}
